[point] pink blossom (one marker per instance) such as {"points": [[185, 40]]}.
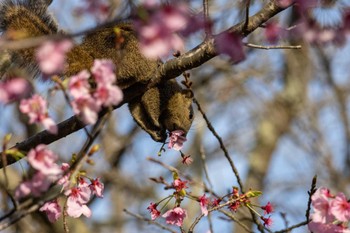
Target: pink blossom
{"points": [[64, 180], [75, 209], [340, 207], [156, 32], [216, 202], [50, 125], [36, 109], [97, 187], [36, 186], [23, 190], [175, 216], [52, 209], [51, 56], [203, 202], [79, 85], [267, 221], [80, 194], [272, 32], [187, 160], [87, 108], [321, 205], [153, 210], [231, 45], [103, 71], [108, 95], [268, 208], [234, 206], [179, 184], [44, 160], [14, 89], [176, 140]]}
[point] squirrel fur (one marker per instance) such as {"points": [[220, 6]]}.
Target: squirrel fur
{"points": [[165, 107]]}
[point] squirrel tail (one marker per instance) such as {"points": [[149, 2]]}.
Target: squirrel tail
{"points": [[20, 19]]}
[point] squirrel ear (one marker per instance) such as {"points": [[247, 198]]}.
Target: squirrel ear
{"points": [[187, 93]]}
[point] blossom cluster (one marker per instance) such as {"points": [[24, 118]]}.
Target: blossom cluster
{"points": [[176, 215], [157, 26], [88, 101], [48, 172], [331, 212]]}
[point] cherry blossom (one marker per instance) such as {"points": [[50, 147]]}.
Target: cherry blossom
{"points": [[203, 201], [76, 202], [272, 32], [79, 85], [35, 187], [36, 109], [52, 209], [153, 210], [267, 221], [80, 194], [51, 56], [187, 160], [108, 95], [87, 108], [157, 31], [103, 71], [97, 187], [176, 140], [340, 207], [175, 216], [230, 44], [43, 160], [268, 208], [179, 184], [14, 89], [75, 209]]}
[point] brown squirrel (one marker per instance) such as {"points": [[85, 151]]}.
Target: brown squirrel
{"points": [[165, 107]]}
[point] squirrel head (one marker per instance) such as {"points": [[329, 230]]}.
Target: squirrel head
{"points": [[179, 112]]}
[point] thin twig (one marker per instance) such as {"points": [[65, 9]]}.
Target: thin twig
{"points": [[170, 168], [292, 227], [255, 46], [196, 221], [246, 22], [149, 221], [222, 146], [311, 192]]}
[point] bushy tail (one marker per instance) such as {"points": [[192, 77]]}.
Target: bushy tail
{"points": [[21, 19]]}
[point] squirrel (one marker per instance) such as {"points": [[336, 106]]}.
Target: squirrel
{"points": [[165, 107]]}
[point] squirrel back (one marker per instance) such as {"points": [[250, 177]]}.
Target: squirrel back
{"points": [[166, 107], [26, 19]]}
